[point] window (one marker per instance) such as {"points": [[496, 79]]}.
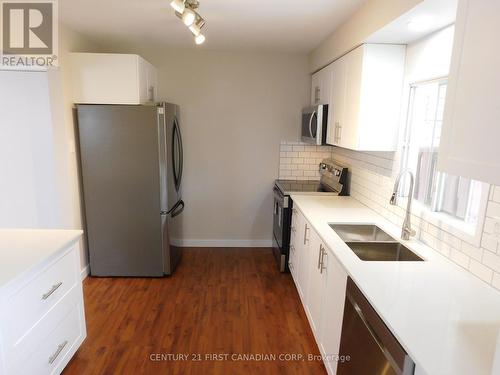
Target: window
{"points": [[457, 197]]}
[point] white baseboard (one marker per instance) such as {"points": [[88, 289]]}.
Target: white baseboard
{"points": [[226, 243], [85, 272]]}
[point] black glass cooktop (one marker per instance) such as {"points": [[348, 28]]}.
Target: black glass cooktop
{"points": [[300, 186]]}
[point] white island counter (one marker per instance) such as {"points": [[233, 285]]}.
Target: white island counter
{"points": [[42, 320]]}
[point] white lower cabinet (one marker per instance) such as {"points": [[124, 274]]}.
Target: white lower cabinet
{"points": [[321, 283], [316, 284], [42, 321], [332, 312], [299, 250]]}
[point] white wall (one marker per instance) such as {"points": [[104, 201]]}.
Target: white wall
{"points": [[369, 18], [236, 107], [30, 195], [38, 168]]}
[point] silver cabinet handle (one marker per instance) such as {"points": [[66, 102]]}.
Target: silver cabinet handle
{"points": [[52, 290], [292, 248], [340, 133], [290, 265], [54, 356], [336, 132], [320, 252], [317, 95], [305, 234], [293, 229], [321, 264]]}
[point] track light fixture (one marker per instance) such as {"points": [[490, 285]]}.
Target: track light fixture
{"points": [[186, 11]]}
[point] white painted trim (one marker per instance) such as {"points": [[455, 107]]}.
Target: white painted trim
{"points": [[225, 243], [85, 272]]}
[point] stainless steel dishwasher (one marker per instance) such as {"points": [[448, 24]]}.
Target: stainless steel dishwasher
{"points": [[371, 347]]}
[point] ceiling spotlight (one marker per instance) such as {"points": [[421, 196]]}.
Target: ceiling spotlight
{"points": [[185, 10], [178, 5], [188, 17], [195, 28], [199, 39]]}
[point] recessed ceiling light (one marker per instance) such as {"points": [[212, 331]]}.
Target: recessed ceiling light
{"points": [[420, 23]]}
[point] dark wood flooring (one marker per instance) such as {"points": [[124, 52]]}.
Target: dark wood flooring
{"points": [[223, 301]]}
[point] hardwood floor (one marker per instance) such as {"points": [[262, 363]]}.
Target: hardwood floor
{"points": [[220, 301]]}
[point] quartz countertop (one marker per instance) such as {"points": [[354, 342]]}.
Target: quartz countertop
{"points": [[23, 249], [446, 319]]}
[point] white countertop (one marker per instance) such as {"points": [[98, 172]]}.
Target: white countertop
{"points": [[446, 319], [22, 249]]}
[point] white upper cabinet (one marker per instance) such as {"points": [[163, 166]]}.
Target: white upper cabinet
{"points": [[365, 99], [320, 86], [471, 126], [103, 78]]}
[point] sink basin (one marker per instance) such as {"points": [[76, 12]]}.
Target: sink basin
{"points": [[361, 232], [383, 251]]}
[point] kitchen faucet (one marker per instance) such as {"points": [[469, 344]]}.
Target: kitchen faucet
{"points": [[406, 231]]}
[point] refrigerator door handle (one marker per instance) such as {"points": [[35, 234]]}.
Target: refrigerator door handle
{"points": [[162, 150], [177, 154], [178, 208]]}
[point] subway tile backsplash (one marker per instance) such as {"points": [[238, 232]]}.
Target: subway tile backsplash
{"points": [[300, 161], [371, 182]]}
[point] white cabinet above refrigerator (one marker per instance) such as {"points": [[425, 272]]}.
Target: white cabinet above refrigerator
{"points": [[104, 78]]}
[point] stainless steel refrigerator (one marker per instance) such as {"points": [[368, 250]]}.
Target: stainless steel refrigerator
{"points": [[131, 170]]}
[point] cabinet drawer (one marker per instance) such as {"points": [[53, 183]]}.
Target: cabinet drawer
{"points": [[55, 350], [38, 336], [27, 305]]}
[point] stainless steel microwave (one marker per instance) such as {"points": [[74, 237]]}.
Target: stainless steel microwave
{"points": [[314, 124]]}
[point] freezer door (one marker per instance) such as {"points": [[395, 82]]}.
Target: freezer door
{"points": [[121, 188], [172, 236]]}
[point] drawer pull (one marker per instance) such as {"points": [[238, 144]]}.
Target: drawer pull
{"points": [[51, 291], [54, 356]]}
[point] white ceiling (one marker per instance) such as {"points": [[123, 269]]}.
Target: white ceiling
{"points": [[277, 25], [440, 13]]}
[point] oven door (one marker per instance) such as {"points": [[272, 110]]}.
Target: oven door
{"points": [[281, 229], [278, 216]]}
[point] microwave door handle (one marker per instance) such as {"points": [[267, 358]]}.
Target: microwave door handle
{"points": [[310, 123]]}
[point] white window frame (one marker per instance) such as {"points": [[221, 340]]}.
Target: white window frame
{"points": [[468, 232]]}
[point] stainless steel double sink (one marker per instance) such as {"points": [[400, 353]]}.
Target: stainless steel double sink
{"points": [[370, 243]]}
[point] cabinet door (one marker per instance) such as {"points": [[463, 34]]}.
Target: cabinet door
{"points": [[294, 245], [303, 236], [336, 108], [469, 138], [316, 88], [102, 78], [348, 131], [332, 311], [315, 288], [152, 83], [321, 86]]}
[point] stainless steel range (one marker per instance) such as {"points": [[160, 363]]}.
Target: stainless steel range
{"points": [[333, 181]]}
